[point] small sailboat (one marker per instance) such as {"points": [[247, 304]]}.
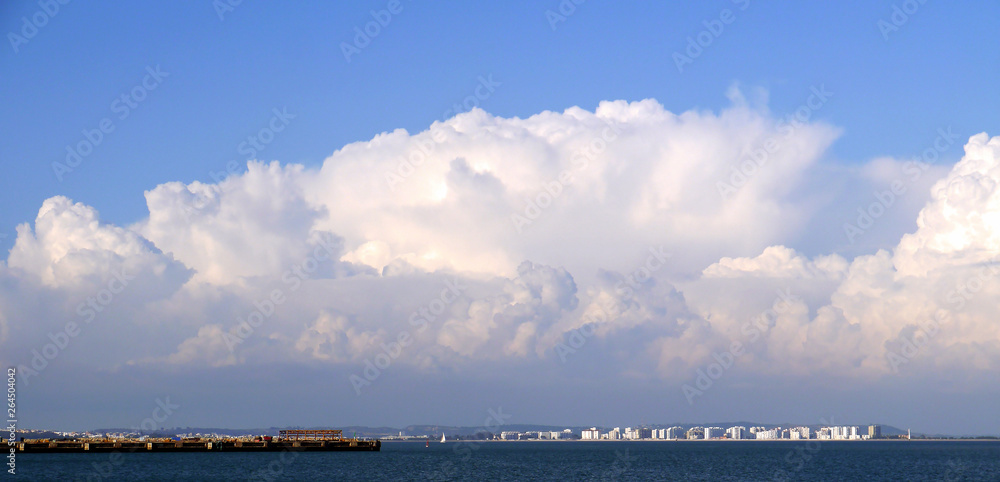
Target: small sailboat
{"points": [[442, 438], [428, 443]]}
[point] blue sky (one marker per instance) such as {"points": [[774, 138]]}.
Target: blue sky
{"points": [[486, 206], [226, 76]]}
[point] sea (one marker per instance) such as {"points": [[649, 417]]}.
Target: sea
{"points": [[549, 460]]}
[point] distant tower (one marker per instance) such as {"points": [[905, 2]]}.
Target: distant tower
{"points": [[907, 434]]}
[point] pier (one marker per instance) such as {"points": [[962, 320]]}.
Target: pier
{"points": [[287, 440]]}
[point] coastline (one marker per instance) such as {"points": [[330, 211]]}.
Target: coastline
{"points": [[433, 441]]}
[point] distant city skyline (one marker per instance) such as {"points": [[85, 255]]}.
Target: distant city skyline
{"points": [[721, 431], [743, 430], [225, 214]]}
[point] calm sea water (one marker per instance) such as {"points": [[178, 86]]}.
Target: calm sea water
{"points": [[549, 460]]}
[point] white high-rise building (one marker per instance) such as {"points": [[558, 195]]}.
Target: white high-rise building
{"points": [[736, 433], [844, 433], [591, 434], [714, 432], [675, 433]]}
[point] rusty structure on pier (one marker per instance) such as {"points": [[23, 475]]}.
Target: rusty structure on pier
{"points": [[310, 434]]}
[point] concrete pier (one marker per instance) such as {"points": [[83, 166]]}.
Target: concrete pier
{"points": [[104, 446]]}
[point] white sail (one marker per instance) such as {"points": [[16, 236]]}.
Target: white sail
{"points": [[442, 438]]}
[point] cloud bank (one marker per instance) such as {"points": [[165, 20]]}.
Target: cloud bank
{"points": [[628, 243]]}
